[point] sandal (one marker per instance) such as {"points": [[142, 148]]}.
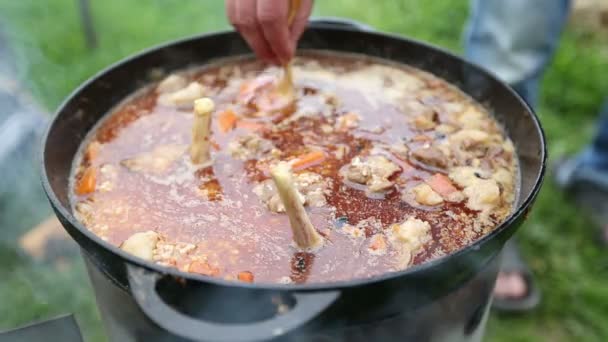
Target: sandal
{"points": [[513, 263]]}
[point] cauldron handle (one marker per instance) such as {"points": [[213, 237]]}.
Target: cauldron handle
{"points": [[143, 287]]}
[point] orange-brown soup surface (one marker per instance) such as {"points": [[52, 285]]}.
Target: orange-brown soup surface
{"points": [[394, 166]]}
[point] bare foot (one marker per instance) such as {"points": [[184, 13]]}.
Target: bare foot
{"points": [[510, 285]]}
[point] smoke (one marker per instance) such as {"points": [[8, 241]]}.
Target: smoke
{"points": [[22, 201]]}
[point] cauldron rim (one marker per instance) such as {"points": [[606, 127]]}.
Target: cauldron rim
{"points": [[66, 214]]}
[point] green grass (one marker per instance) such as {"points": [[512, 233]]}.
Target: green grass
{"points": [[557, 240]]}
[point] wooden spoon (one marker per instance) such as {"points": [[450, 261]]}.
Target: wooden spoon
{"points": [[285, 85]]}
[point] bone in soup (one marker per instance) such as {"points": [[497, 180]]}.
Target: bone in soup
{"points": [[394, 166]]}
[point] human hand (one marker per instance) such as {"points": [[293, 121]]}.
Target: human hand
{"points": [[263, 24]]}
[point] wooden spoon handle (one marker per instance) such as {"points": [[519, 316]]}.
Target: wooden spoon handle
{"points": [[285, 85], [294, 6]]}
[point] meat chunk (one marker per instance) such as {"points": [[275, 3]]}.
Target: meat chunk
{"points": [[249, 146], [425, 195], [341, 151], [426, 120], [141, 245], [183, 98], [470, 138], [470, 144], [348, 121], [423, 123], [381, 82], [444, 187], [327, 129], [379, 184], [466, 175], [445, 129], [483, 194], [412, 233], [431, 156], [408, 237], [156, 161], [451, 107], [171, 83], [399, 149], [358, 171], [503, 177], [506, 182], [311, 189], [473, 118], [508, 147], [411, 106], [372, 172], [85, 213]]}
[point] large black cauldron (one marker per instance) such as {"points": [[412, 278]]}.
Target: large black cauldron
{"points": [[443, 300]]}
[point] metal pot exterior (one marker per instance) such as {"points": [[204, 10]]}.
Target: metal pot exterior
{"points": [[459, 315], [426, 290]]}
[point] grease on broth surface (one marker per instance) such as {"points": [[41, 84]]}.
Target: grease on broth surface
{"points": [[394, 166]]}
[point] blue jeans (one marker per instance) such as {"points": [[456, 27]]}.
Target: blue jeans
{"points": [[516, 39]]}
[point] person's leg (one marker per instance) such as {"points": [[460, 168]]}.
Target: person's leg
{"points": [[596, 155], [515, 40], [585, 176]]}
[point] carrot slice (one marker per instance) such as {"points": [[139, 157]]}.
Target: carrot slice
{"points": [[227, 120], [203, 267], [249, 125], [245, 276], [421, 138], [92, 151], [308, 160], [441, 184], [86, 184]]}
